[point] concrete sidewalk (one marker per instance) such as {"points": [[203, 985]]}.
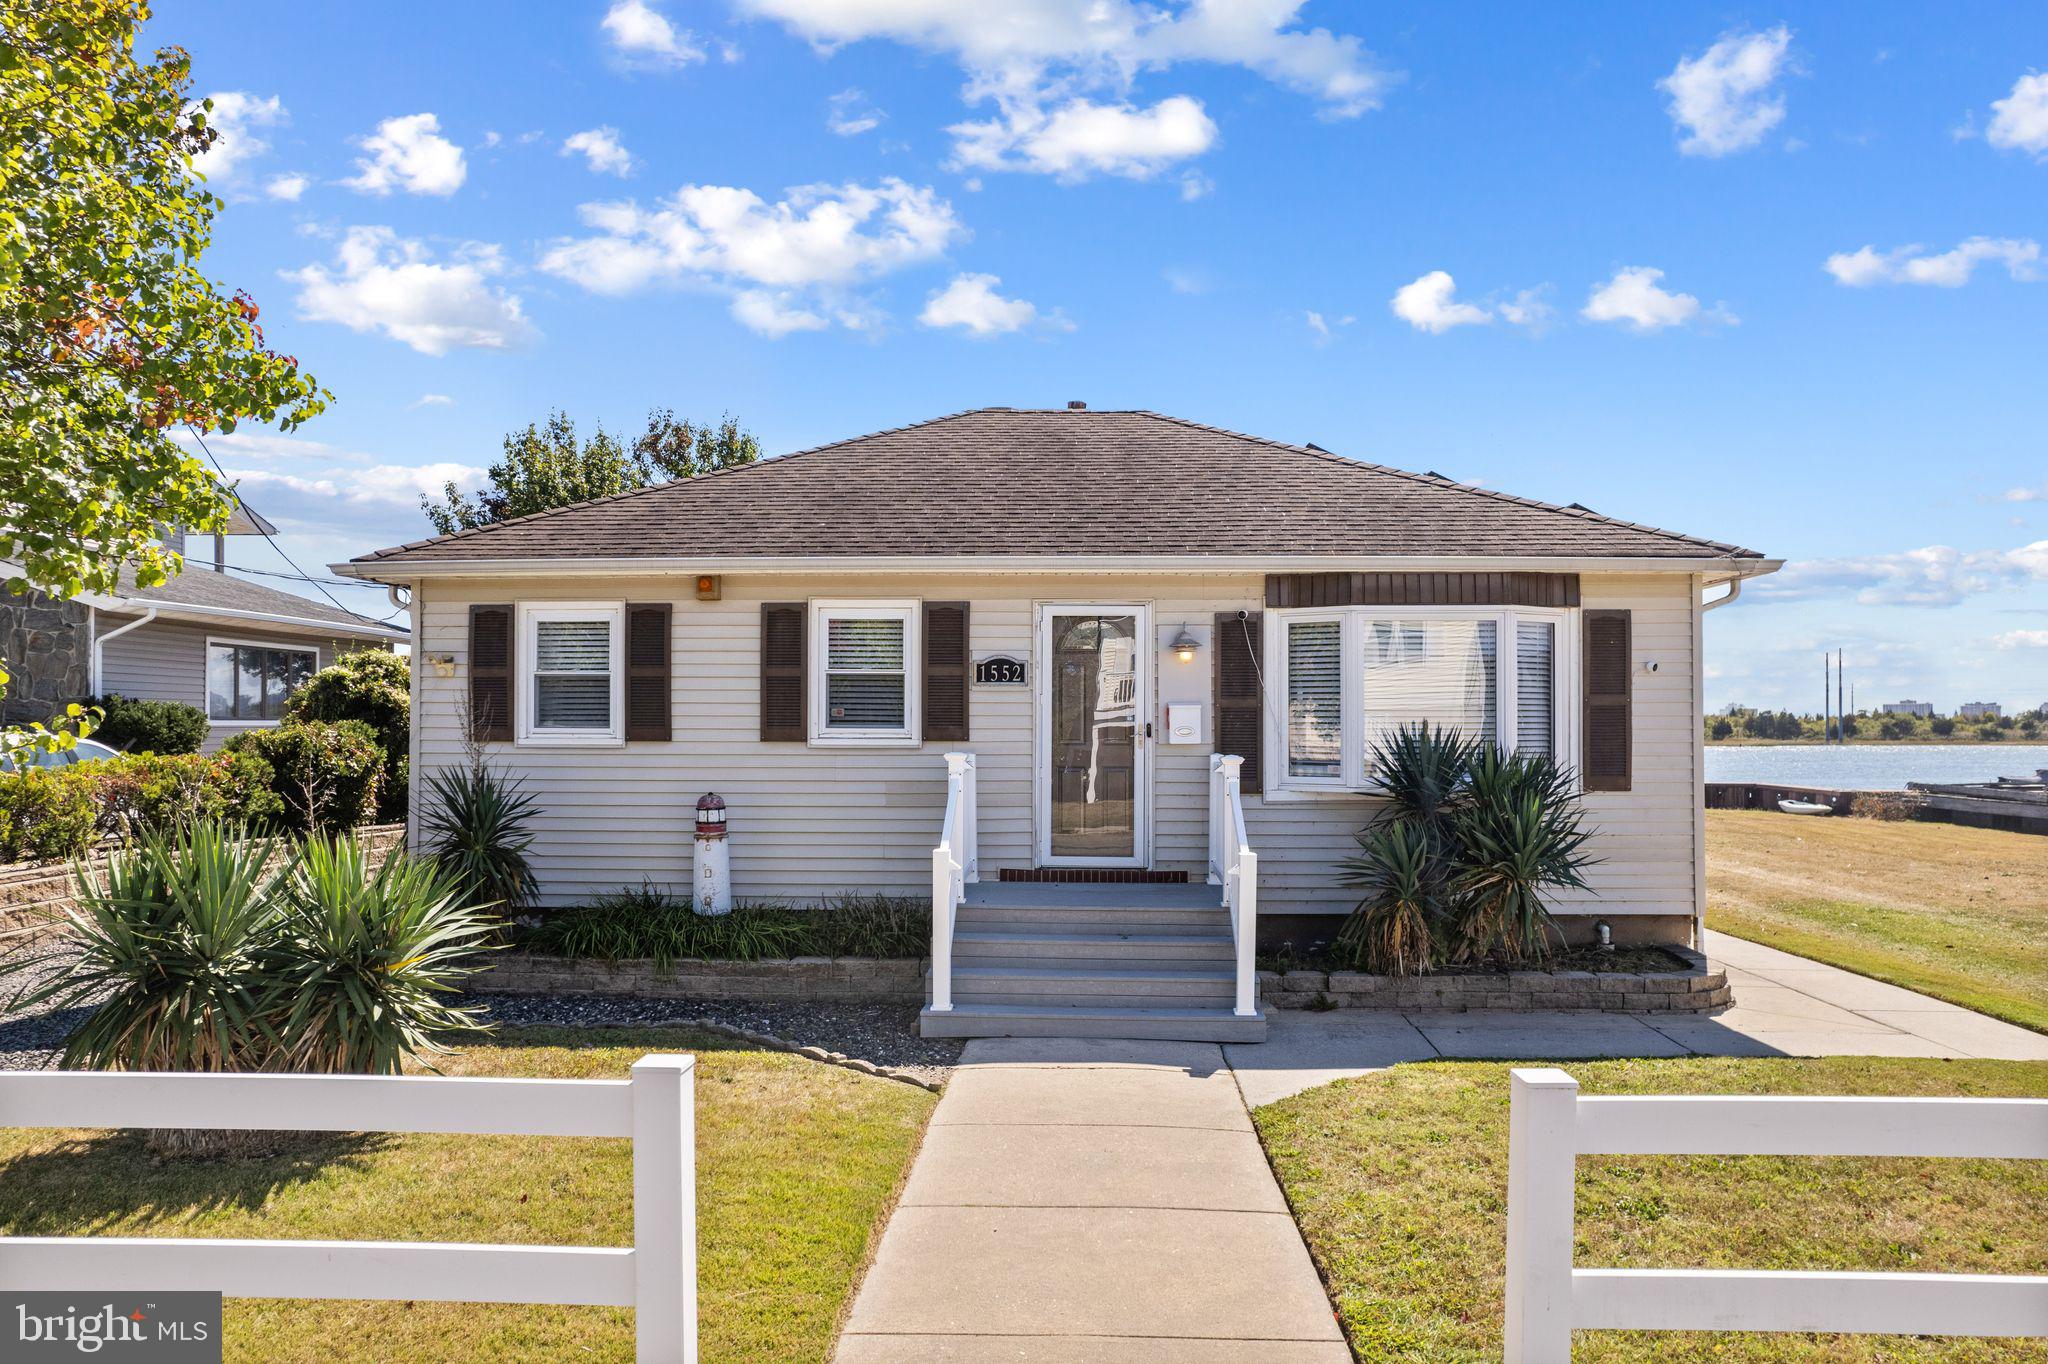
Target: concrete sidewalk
{"points": [[1784, 1006], [1091, 1202]]}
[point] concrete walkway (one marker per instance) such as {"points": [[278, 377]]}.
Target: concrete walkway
{"points": [[1784, 1006], [1091, 1202]]}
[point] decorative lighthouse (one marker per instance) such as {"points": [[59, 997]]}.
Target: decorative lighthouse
{"points": [[714, 858]]}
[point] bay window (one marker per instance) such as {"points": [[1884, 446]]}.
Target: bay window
{"points": [[571, 653], [862, 653], [1351, 678]]}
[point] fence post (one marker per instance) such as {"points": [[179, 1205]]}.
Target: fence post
{"points": [[665, 1209], [1542, 1171]]}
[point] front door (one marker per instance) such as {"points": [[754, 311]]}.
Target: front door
{"points": [[1094, 692]]}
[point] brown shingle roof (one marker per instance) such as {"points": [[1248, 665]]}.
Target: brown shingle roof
{"points": [[998, 481]]}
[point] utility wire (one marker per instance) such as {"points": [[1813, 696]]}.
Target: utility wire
{"points": [[302, 574]]}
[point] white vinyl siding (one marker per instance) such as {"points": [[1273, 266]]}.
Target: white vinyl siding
{"points": [[571, 673], [809, 821]]}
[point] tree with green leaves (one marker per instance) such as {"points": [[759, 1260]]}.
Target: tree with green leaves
{"points": [[111, 338], [547, 466]]}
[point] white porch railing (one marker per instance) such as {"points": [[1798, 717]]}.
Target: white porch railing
{"points": [[1234, 866], [1550, 1125], [656, 1108], [954, 864]]}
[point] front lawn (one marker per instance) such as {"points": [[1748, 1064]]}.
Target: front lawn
{"points": [[1958, 913], [796, 1164], [1399, 1181]]}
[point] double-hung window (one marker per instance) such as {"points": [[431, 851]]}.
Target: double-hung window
{"points": [[571, 656], [1349, 679], [863, 654], [248, 684]]}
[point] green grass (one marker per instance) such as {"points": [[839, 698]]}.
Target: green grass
{"points": [[1399, 1181], [1961, 914], [796, 1164]]}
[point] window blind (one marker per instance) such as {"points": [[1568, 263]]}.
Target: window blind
{"points": [[1438, 672], [572, 681], [1536, 687], [1315, 699], [864, 673]]}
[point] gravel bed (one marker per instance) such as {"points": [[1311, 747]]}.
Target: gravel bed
{"points": [[885, 1034]]}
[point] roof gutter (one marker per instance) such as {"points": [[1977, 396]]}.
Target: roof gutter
{"points": [[1734, 591], [400, 570], [99, 642]]}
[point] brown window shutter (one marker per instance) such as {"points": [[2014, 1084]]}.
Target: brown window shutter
{"points": [[491, 688], [782, 672], [1609, 669], [647, 665], [945, 671], [1239, 727]]}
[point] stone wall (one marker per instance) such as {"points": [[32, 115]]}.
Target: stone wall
{"points": [[1695, 987], [813, 980], [47, 644], [34, 894]]}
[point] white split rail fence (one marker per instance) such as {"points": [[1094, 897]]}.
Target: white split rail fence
{"points": [[1234, 866], [1550, 1125], [955, 863], [656, 1109]]}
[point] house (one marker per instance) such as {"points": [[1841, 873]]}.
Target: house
{"points": [[1980, 710], [1923, 709], [1096, 605], [233, 648]]}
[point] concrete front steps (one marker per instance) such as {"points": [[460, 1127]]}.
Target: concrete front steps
{"points": [[1146, 962]]}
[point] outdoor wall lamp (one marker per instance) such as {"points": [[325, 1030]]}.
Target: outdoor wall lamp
{"points": [[1184, 645]]}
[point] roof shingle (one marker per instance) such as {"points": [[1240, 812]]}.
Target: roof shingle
{"points": [[998, 482]]}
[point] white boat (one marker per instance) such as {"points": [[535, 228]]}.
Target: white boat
{"points": [[1805, 807]]}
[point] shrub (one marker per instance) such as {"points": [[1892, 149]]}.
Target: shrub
{"points": [[1722, 728], [1896, 727], [1990, 733], [324, 775], [372, 686], [475, 828], [136, 726], [1456, 866], [1942, 725], [46, 813]]}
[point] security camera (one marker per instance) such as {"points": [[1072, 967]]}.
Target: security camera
{"points": [[1649, 667]]}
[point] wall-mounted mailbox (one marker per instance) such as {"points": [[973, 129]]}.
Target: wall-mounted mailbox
{"points": [[1183, 722]]}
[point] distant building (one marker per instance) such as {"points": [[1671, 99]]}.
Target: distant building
{"points": [[1923, 709], [1981, 710], [1732, 708]]}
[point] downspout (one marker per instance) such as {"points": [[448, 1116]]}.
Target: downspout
{"points": [[99, 642], [1734, 591]]}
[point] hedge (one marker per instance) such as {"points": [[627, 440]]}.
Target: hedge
{"points": [[325, 776], [162, 727]]}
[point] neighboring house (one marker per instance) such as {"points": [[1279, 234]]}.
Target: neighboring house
{"points": [[1923, 709], [1981, 710], [233, 648], [1091, 603]]}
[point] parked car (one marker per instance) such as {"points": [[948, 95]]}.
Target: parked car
{"points": [[84, 751]]}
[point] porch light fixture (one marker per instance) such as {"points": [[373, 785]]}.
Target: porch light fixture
{"points": [[1185, 645]]}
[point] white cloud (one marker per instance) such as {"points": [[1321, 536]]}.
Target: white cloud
{"points": [[971, 303], [430, 400], [1324, 328], [1428, 305], [2019, 122], [382, 282], [1183, 280], [601, 150], [386, 485], [1633, 296], [1529, 309], [408, 153], [642, 34], [235, 117], [2022, 639], [1723, 99], [1037, 59], [1950, 269], [1082, 138], [2039, 494], [849, 114], [286, 187], [791, 261], [1936, 575]]}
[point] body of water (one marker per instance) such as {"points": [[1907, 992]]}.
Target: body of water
{"points": [[1871, 767]]}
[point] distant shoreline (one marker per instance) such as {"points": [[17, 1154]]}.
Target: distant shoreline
{"points": [[1858, 741]]}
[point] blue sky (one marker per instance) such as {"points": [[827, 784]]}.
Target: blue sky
{"points": [[1771, 275]]}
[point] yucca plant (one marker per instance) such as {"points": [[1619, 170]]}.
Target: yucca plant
{"points": [[1521, 835], [1392, 929], [367, 962], [476, 830], [167, 943]]}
